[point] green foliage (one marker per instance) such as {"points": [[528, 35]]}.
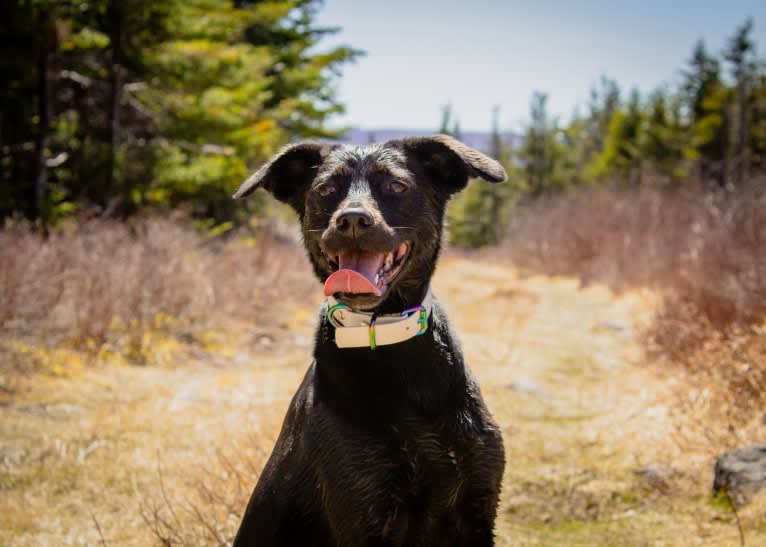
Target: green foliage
{"points": [[155, 102], [543, 152], [210, 106], [479, 215], [707, 99], [662, 143], [711, 127], [621, 155]]}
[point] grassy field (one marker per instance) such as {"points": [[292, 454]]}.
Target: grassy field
{"points": [[617, 334], [167, 453]]}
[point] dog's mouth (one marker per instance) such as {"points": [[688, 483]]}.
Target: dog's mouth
{"points": [[364, 273]]}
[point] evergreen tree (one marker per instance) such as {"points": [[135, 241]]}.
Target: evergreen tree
{"points": [[449, 124], [740, 53], [621, 156], [480, 213], [707, 99], [604, 102], [542, 151], [757, 137], [300, 82], [134, 102], [29, 41], [579, 148], [663, 138]]}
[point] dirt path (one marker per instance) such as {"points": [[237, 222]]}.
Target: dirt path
{"points": [[90, 459]]}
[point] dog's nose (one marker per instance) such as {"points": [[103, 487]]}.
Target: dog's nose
{"points": [[353, 221]]}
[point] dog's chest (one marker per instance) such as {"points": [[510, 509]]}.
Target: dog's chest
{"points": [[432, 465], [424, 470]]}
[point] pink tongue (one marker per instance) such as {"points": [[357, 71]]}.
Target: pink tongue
{"points": [[356, 274]]}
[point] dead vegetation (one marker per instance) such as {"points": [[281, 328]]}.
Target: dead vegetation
{"points": [[704, 251], [206, 508], [577, 471], [102, 288]]}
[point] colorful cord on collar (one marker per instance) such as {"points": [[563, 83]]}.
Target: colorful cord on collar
{"points": [[354, 329]]}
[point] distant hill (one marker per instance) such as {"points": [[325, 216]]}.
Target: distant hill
{"points": [[474, 139]]}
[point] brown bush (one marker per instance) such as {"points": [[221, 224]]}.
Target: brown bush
{"points": [[205, 507], [703, 250], [78, 284]]}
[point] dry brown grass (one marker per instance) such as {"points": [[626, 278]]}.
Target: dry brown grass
{"points": [[153, 455], [208, 506], [704, 251], [102, 286], [169, 455]]}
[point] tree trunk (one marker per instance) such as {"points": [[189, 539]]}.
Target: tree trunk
{"points": [[741, 169], [115, 96], [44, 118], [724, 164]]}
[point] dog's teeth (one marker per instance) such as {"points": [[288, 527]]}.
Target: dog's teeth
{"points": [[401, 251]]}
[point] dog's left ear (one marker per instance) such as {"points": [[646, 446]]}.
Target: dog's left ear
{"points": [[288, 174], [450, 163]]}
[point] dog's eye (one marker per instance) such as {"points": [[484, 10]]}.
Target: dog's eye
{"points": [[326, 189], [395, 186]]}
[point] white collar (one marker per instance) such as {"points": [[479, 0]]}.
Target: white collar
{"points": [[355, 329]]}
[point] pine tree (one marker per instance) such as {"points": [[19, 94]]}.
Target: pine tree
{"points": [[707, 98], [740, 53], [663, 137], [126, 103], [604, 102], [757, 137], [449, 124], [621, 156], [29, 42], [480, 213], [233, 82], [542, 151], [300, 81]]}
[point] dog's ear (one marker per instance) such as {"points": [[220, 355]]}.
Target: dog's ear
{"points": [[288, 174], [450, 163]]}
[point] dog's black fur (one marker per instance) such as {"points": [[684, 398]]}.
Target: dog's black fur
{"points": [[393, 446]]}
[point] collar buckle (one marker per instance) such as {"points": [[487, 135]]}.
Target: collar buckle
{"points": [[331, 313]]}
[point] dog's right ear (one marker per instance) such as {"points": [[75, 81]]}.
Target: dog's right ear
{"points": [[288, 175]]}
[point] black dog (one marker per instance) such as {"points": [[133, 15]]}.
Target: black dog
{"points": [[388, 440]]}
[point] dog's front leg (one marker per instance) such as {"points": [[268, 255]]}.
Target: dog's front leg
{"points": [[476, 528]]}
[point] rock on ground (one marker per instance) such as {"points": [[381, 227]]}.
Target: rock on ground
{"points": [[741, 473]]}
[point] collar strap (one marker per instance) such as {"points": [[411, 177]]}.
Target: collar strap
{"points": [[355, 329]]}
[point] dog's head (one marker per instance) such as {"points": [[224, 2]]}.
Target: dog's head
{"points": [[372, 216]]}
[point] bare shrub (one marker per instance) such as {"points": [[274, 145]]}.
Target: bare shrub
{"points": [[205, 507], [82, 283], [704, 251]]}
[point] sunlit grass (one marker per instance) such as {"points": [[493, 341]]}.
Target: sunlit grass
{"points": [[156, 430]]}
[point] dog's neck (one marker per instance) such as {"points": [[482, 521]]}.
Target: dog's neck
{"points": [[391, 379], [360, 329]]}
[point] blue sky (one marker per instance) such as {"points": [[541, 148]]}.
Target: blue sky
{"points": [[423, 53]]}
